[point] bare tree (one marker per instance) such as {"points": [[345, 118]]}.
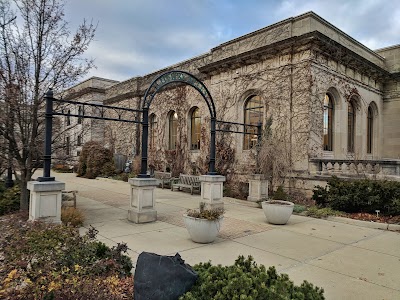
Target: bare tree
{"points": [[37, 52]]}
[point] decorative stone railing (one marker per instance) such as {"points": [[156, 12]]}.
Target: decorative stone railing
{"points": [[345, 167]]}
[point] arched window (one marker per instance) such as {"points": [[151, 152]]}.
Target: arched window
{"points": [[253, 115], [351, 122], [195, 129], [153, 132], [370, 130], [328, 122], [173, 129]]}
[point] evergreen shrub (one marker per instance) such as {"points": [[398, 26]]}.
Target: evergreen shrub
{"points": [[280, 194], [9, 199], [359, 195], [245, 280]]}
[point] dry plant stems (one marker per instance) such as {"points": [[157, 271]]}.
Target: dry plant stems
{"points": [[278, 202], [209, 214]]}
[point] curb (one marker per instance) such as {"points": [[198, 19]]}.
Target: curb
{"points": [[371, 224]]}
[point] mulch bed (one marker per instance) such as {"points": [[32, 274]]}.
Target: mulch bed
{"points": [[375, 218]]}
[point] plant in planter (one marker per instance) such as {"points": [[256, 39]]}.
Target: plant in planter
{"points": [[203, 224], [278, 210]]}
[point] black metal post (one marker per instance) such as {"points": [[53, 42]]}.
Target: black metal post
{"points": [[47, 139], [211, 168], [145, 137]]}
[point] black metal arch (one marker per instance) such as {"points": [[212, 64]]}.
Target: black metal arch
{"points": [[178, 76], [156, 85]]}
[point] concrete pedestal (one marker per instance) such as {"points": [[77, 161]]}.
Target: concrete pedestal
{"points": [[45, 201], [142, 202], [258, 188], [212, 187]]}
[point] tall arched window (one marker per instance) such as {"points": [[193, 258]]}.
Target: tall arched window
{"points": [[370, 130], [195, 129], [328, 122], [173, 129], [153, 132], [253, 114], [351, 122]]}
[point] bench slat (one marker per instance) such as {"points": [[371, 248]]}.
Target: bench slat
{"points": [[187, 181]]}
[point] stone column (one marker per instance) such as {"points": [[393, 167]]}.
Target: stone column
{"points": [[142, 207], [212, 190], [45, 201], [258, 187]]}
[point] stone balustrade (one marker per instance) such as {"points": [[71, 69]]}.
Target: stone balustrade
{"points": [[346, 167]]}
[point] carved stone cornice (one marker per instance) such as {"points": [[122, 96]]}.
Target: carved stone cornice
{"points": [[318, 42], [76, 94]]}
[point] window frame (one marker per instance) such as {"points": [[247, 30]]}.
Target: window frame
{"points": [[328, 122], [195, 131], [172, 130], [351, 126], [370, 130], [250, 137]]}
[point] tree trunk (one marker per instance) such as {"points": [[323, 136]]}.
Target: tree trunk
{"points": [[24, 200]]}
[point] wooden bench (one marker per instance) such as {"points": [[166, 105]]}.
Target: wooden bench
{"points": [[191, 182], [163, 178]]}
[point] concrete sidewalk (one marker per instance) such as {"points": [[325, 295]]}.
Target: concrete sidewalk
{"points": [[348, 261]]}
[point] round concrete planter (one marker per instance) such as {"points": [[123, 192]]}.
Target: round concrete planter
{"points": [[202, 230], [277, 212]]}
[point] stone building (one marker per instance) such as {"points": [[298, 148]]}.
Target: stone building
{"points": [[329, 104]]}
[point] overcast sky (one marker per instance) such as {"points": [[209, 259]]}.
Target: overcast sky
{"points": [[136, 37]]}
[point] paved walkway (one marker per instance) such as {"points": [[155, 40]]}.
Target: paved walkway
{"points": [[348, 261]]}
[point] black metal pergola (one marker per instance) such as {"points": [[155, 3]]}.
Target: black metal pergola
{"points": [[126, 115]]}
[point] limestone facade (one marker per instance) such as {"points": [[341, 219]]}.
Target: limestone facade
{"points": [[291, 67]]}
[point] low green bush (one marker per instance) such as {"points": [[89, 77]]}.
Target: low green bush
{"points": [[9, 199], [245, 280], [323, 212], [359, 195], [299, 208]]}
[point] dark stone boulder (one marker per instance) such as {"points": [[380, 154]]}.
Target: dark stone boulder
{"points": [[159, 277]]}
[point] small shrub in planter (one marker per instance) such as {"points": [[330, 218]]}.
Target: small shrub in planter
{"points": [[246, 280], [202, 213], [203, 225]]}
